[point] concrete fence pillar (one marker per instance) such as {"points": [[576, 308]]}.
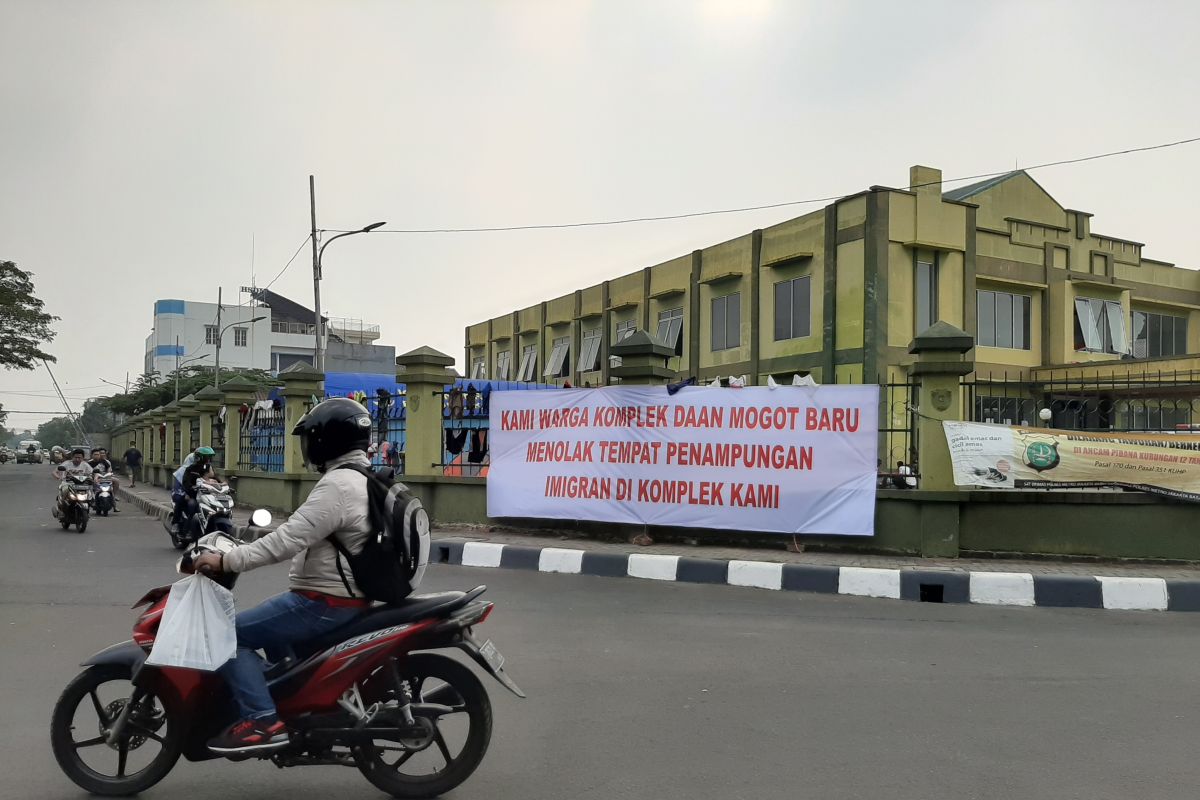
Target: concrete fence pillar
{"points": [[157, 450], [301, 383], [423, 372], [941, 362], [171, 458], [643, 360], [187, 412], [208, 406], [236, 392]]}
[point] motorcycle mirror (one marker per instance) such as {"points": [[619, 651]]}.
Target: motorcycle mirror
{"points": [[261, 518]]}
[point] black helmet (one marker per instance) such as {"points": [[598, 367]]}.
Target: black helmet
{"points": [[331, 429]]}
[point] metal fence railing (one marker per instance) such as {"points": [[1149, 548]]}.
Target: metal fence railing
{"points": [[194, 432], [465, 431], [261, 442], [1141, 402], [174, 456], [389, 436], [217, 437]]}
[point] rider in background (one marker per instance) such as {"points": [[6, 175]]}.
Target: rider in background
{"points": [[102, 466], [76, 467]]}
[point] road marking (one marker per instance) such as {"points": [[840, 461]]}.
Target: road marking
{"points": [[1002, 588], [653, 567], [760, 574]]}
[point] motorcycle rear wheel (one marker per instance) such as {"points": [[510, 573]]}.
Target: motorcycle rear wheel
{"points": [[83, 690], [456, 685]]}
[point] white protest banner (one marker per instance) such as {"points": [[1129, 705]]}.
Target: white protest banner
{"points": [[787, 460]]}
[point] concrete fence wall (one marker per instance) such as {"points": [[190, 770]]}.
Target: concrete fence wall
{"points": [[935, 520]]}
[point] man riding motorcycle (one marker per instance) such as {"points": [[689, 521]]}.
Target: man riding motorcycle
{"points": [[199, 469], [102, 466], [75, 468], [323, 594]]}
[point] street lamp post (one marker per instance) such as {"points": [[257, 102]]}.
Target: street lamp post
{"points": [[319, 354], [221, 333]]}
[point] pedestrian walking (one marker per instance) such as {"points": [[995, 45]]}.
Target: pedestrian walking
{"points": [[133, 460]]}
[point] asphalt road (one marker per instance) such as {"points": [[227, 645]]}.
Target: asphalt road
{"points": [[647, 690]]}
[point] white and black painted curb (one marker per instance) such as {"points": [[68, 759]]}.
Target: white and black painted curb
{"points": [[909, 583]]}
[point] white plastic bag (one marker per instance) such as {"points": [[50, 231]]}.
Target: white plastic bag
{"points": [[197, 630]]}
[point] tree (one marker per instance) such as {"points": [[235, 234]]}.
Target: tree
{"points": [[24, 326], [149, 393], [3, 418], [96, 415], [59, 430]]}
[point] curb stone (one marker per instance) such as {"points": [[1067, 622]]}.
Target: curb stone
{"points": [[906, 583]]}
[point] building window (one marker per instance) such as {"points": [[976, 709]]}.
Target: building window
{"points": [[528, 363], [503, 364], [625, 330], [210, 334], [727, 322], [589, 350], [926, 305], [239, 337], [479, 369], [1003, 319], [1099, 326], [1157, 335], [792, 304], [670, 329], [559, 365]]}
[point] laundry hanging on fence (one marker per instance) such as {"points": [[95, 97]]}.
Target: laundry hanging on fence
{"points": [[478, 446], [456, 403]]}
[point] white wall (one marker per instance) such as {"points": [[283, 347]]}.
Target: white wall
{"points": [[187, 321]]}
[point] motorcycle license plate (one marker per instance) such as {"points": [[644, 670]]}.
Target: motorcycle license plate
{"points": [[491, 655]]}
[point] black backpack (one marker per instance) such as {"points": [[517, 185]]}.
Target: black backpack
{"points": [[393, 558]]}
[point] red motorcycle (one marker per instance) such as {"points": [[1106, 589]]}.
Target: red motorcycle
{"points": [[416, 724]]}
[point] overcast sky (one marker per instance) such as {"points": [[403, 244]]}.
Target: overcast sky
{"points": [[143, 145]]}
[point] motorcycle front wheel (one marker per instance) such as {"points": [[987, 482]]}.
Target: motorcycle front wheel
{"points": [[82, 716], [454, 744], [81, 520]]}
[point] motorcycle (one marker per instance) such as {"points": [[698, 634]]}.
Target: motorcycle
{"points": [[104, 494], [214, 513], [78, 499], [361, 695], [3, 456]]}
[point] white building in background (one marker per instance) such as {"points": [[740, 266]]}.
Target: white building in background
{"points": [[185, 334]]}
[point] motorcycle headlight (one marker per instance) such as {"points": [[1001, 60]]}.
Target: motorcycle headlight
{"points": [[81, 495]]}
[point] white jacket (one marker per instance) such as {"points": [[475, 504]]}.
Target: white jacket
{"points": [[338, 504]]}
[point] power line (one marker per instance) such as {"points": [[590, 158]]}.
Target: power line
{"points": [[289, 263], [765, 206]]}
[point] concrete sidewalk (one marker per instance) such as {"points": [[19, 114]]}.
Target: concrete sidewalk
{"points": [[1060, 583]]}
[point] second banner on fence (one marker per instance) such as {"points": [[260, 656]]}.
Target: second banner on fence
{"points": [[784, 460], [1015, 457]]}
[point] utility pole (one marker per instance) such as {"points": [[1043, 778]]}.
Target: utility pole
{"points": [[176, 369], [319, 359], [217, 374]]}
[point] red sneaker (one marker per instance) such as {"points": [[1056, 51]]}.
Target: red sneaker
{"points": [[250, 736]]}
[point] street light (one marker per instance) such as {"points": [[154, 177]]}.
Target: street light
{"points": [[320, 350], [220, 333]]}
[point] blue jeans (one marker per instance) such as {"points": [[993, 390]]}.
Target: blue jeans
{"points": [[274, 626]]}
